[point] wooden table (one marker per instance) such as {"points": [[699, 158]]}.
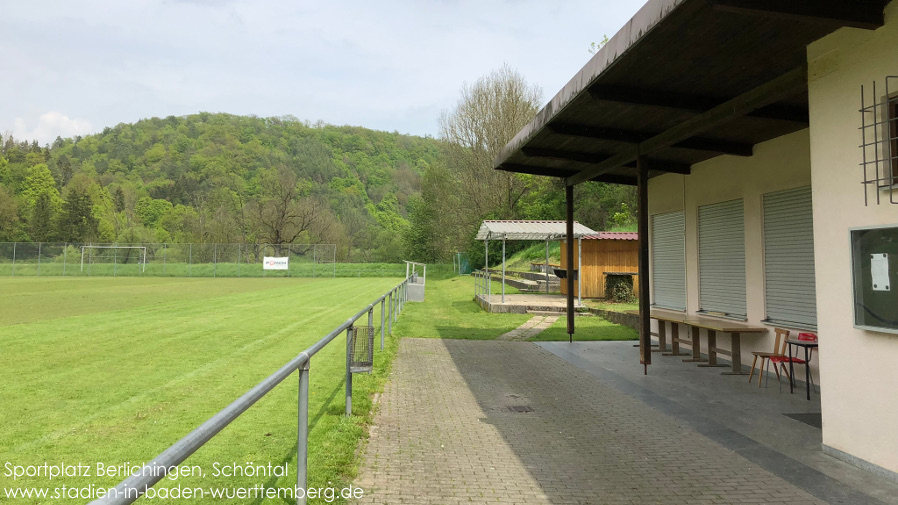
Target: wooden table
{"points": [[808, 345], [713, 325]]}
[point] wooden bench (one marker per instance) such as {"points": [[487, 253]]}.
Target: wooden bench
{"points": [[712, 325], [733, 328], [674, 318]]}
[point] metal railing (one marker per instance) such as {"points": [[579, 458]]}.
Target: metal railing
{"points": [[483, 284], [135, 486]]}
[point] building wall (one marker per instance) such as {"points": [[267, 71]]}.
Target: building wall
{"points": [[601, 256], [779, 164], [859, 368]]}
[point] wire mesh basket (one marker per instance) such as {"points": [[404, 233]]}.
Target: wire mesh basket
{"points": [[361, 359]]}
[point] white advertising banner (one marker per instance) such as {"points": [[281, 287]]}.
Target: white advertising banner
{"points": [[275, 263]]}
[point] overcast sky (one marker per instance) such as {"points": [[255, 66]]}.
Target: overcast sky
{"points": [[75, 67]]}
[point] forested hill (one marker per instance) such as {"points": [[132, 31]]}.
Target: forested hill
{"points": [[217, 178]]}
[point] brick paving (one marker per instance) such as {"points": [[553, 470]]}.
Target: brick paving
{"points": [[444, 433]]}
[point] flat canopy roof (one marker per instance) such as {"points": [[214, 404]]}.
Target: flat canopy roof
{"points": [[682, 82], [529, 230]]}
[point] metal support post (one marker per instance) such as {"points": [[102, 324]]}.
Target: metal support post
{"points": [[391, 313], [348, 372], [190, 260], [302, 432], [486, 269], [382, 324], [163, 259], [65, 251], [579, 267], [214, 260], [39, 244], [503, 268], [114, 259], [547, 266]]}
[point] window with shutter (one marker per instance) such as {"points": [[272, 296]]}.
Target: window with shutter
{"points": [[721, 258], [669, 260], [790, 291]]}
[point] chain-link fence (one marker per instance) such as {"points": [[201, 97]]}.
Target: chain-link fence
{"points": [[183, 260]]}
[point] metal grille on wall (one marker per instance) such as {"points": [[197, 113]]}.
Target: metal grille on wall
{"points": [[879, 141]]}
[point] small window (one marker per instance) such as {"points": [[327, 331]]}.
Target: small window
{"points": [[879, 142]]}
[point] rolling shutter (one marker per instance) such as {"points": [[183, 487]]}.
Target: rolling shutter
{"points": [[789, 258], [669, 260], [721, 258]]}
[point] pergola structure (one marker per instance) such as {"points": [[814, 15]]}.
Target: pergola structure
{"points": [[530, 230], [682, 82]]}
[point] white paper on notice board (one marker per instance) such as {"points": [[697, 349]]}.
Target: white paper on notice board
{"points": [[879, 268]]}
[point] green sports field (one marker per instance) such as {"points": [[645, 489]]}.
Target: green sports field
{"points": [[103, 371]]}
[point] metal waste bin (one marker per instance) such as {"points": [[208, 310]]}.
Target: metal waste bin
{"points": [[361, 359]]}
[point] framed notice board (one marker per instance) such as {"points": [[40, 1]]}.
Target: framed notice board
{"points": [[874, 258]]}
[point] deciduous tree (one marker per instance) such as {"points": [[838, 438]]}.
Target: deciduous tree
{"points": [[281, 214], [488, 115]]}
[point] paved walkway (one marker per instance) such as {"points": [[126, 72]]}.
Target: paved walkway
{"points": [[534, 326], [510, 422]]}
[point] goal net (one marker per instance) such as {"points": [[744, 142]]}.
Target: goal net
{"points": [[113, 259]]}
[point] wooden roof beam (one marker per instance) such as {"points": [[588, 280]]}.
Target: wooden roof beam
{"points": [[695, 103], [534, 152], [664, 166], [563, 172], [595, 158], [634, 137], [535, 170], [858, 14], [770, 92]]}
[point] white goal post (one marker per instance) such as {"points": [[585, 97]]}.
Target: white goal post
{"points": [[88, 248]]}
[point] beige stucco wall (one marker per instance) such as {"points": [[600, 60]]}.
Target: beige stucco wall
{"points": [[780, 164], [860, 368]]}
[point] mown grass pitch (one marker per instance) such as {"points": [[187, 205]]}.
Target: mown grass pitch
{"points": [[113, 371]]}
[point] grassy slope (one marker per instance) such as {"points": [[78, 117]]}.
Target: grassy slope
{"points": [[450, 312], [612, 306], [116, 370]]}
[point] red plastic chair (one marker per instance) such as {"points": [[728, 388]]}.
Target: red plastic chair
{"points": [[784, 360]]}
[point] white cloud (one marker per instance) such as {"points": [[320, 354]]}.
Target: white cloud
{"points": [[49, 126], [389, 65]]}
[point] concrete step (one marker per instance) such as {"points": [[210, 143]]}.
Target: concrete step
{"points": [[529, 286], [556, 313]]}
